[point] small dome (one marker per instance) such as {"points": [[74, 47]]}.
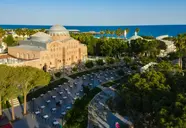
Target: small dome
{"points": [[58, 30], [41, 37]]}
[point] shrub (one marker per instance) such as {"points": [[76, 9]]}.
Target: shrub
{"points": [[58, 74], [89, 64], [110, 60], [74, 69], [45, 89], [100, 62]]}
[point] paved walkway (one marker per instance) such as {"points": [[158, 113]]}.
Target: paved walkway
{"points": [[70, 90], [99, 113]]}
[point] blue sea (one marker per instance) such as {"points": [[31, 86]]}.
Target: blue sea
{"points": [[149, 30]]}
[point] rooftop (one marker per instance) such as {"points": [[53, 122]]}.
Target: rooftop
{"points": [[29, 47], [41, 37], [4, 56]]}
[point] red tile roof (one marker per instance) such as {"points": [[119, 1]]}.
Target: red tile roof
{"points": [[6, 126], [4, 56]]}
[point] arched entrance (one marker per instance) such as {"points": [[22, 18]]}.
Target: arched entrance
{"points": [[45, 67]]}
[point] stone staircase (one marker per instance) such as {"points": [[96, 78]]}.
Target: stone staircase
{"points": [[15, 102]]}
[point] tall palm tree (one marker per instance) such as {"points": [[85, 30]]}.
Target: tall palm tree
{"points": [[102, 33], [18, 31], [107, 32], [2, 33], [112, 33], [137, 30], [180, 43], [127, 30], [42, 30], [119, 32]]}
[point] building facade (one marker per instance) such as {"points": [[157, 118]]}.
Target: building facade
{"points": [[51, 51]]}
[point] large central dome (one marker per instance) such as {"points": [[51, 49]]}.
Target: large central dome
{"points": [[58, 30]]}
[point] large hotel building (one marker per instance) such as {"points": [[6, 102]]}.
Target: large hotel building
{"points": [[47, 51]]}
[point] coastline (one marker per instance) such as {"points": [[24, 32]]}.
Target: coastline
{"points": [[148, 30]]}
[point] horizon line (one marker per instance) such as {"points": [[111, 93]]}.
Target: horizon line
{"points": [[94, 25]]}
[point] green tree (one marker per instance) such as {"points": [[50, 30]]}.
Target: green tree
{"points": [[42, 30], [100, 62], [102, 33], [3, 84], [18, 31], [180, 42], [2, 32], [12, 90], [127, 31], [110, 60], [9, 40], [75, 69], [137, 30], [112, 33], [107, 32], [127, 60], [119, 32], [28, 78], [89, 64]]}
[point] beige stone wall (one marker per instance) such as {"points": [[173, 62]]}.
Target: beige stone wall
{"points": [[23, 53], [56, 55], [32, 63], [56, 37]]}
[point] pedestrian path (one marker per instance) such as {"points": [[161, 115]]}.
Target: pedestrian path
{"points": [[99, 112]]}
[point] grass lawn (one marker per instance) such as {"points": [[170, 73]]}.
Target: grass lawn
{"points": [[45, 89], [77, 117]]}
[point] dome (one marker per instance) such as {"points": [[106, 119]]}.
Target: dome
{"points": [[58, 30], [41, 37]]}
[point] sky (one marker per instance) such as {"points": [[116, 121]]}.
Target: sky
{"points": [[92, 12]]}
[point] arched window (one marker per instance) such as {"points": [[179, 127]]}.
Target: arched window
{"points": [[33, 56], [27, 56], [22, 56], [18, 55]]}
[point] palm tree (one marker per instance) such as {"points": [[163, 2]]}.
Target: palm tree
{"points": [[18, 31], [42, 30], [102, 33], [107, 32], [137, 30], [181, 47], [119, 32], [2, 33], [112, 33], [127, 30]]}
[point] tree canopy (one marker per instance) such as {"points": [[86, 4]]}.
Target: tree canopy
{"points": [[155, 98], [9, 40], [17, 81]]}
